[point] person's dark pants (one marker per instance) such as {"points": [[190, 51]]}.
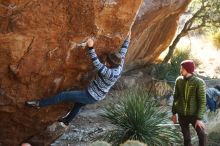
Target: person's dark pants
{"points": [[79, 98], [184, 122]]}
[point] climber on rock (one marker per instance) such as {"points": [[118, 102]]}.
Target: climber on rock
{"points": [[97, 89]]}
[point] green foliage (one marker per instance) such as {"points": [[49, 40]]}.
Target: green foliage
{"points": [[206, 14], [171, 70], [214, 139], [137, 117]]}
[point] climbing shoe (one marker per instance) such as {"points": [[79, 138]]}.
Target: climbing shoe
{"points": [[33, 103], [64, 121]]}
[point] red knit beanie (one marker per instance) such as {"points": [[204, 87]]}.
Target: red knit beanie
{"points": [[188, 65]]}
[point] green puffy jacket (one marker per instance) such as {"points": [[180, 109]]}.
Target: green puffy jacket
{"points": [[189, 97]]}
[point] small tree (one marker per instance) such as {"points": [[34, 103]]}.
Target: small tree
{"points": [[170, 71], [205, 14]]}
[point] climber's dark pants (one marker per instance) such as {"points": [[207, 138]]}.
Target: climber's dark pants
{"points": [[184, 122], [79, 98]]}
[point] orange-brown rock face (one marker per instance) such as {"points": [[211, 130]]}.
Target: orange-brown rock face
{"points": [[154, 28], [40, 56]]}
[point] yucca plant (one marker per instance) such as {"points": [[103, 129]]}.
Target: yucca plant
{"points": [[137, 117]]}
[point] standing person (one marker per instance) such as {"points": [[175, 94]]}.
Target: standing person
{"points": [[213, 98], [189, 103], [97, 89]]}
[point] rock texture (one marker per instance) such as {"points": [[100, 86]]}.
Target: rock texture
{"points": [[154, 29], [40, 52]]}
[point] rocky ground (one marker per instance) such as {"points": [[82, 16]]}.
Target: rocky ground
{"points": [[89, 124]]}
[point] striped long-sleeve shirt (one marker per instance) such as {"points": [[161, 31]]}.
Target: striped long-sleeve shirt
{"points": [[99, 87], [189, 97]]}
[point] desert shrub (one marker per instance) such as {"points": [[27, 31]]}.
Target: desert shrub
{"points": [[170, 71], [138, 117]]}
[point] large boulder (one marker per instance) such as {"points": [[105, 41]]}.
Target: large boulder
{"points": [[40, 56], [154, 30], [40, 52]]}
